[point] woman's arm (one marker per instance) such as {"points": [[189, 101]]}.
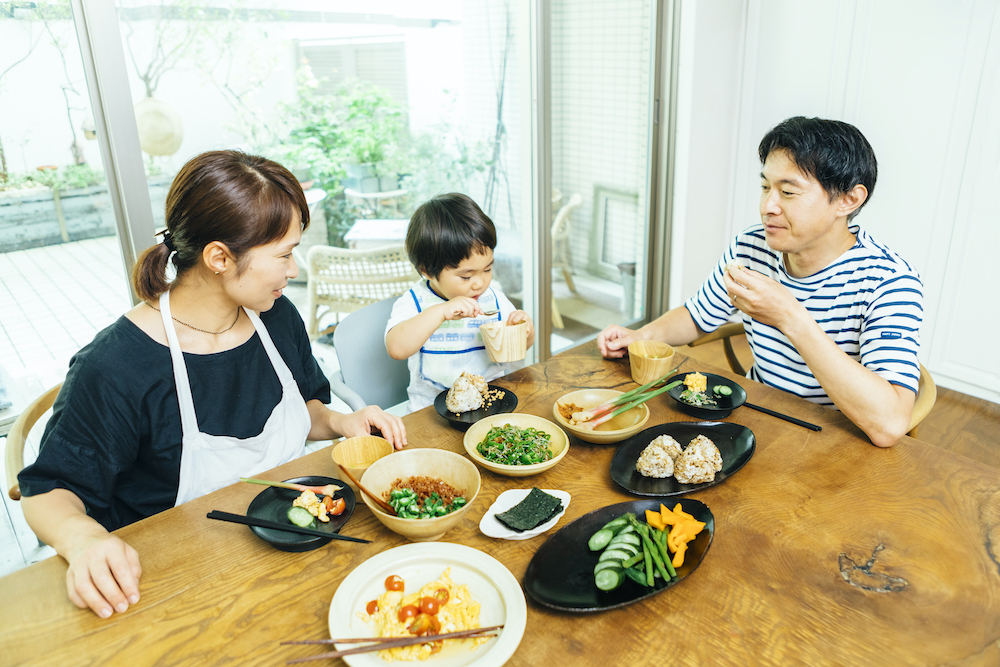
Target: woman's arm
{"points": [[103, 571], [328, 424]]}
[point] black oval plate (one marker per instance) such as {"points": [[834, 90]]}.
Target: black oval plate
{"points": [[463, 421], [726, 404], [736, 444], [272, 504], [561, 573]]}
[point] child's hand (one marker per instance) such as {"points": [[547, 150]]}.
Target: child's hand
{"points": [[460, 307], [519, 316]]}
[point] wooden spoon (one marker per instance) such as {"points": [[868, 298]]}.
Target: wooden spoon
{"points": [[386, 507]]}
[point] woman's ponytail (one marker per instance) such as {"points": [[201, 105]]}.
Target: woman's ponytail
{"points": [[149, 275]]}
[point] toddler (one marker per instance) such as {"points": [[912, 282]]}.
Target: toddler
{"points": [[436, 323]]}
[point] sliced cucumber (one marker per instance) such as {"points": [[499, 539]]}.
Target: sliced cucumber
{"points": [[615, 524], [600, 539], [628, 538], [608, 579], [605, 564], [624, 546], [301, 517], [615, 554], [626, 530]]}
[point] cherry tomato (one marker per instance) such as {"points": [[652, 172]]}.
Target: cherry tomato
{"points": [[421, 625], [337, 507], [394, 583], [429, 606], [442, 596], [327, 502], [435, 625], [436, 646], [409, 611], [372, 607]]}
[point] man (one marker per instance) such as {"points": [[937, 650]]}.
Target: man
{"points": [[830, 314]]}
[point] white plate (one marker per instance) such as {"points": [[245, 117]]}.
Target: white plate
{"points": [[491, 527], [499, 595]]}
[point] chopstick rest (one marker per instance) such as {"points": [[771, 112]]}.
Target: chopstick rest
{"points": [[264, 523], [793, 420]]}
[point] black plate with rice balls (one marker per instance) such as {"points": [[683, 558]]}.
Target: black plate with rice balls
{"points": [[506, 401], [736, 444]]}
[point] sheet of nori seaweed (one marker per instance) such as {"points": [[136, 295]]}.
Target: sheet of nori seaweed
{"points": [[536, 508]]}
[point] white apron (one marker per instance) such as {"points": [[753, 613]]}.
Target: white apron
{"points": [[210, 462]]}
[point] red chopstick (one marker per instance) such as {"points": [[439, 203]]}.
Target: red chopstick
{"points": [[382, 643]]}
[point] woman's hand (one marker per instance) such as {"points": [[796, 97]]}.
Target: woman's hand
{"points": [[364, 420], [103, 575], [519, 316], [103, 570]]}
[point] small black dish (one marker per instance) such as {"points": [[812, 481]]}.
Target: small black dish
{"points": [[272, 504], [736, 444], [561, 573], [725, 404], [506, 403]]}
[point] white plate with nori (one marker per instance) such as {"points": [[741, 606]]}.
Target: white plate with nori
{"points": [[491, 526]]}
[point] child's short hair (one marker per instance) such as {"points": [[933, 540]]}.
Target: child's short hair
{"points": [[446, 230]]}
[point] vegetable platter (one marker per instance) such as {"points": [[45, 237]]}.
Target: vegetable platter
{"points": [[561, 575]]}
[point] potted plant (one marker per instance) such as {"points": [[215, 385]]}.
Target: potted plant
{"points": [[374, 130]]}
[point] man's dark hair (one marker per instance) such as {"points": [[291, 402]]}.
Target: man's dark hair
{"points": [[833, 152], [446, 230]]}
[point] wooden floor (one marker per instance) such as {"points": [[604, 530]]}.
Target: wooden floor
{"points": [[958, 422]]}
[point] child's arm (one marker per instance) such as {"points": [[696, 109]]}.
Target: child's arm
{"points": [[519, 316], [406, 338]]}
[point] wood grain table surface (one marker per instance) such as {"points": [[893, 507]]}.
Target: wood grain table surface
{"points": [[827, 551]]}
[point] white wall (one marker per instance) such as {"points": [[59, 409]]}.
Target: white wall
{"points": [[920, 80]]}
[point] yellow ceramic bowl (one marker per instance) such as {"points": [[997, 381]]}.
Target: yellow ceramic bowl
{"points": [[356, 454], [558, 444], [451, 468], [615, 430]]}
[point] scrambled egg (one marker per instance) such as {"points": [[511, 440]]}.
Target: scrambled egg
{"points": [[461, 612], [313, 504], [696, 382]]}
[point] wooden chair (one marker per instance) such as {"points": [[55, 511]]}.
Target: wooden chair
{"points": [[926, 389], [561, 257], [342, 280], [19, 434]]}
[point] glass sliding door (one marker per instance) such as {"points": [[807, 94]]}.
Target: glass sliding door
{"points": [[601, 133], [62, 278]]}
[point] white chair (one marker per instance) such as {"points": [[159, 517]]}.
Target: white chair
{"points": [[368, 375], [342, 280]]}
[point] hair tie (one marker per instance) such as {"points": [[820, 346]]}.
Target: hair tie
{"points": [[168, 241]]}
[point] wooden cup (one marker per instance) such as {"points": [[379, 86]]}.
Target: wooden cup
{"points": [[650, 360], [505, 343], [356, 454]]}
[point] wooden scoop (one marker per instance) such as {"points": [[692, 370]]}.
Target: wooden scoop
{"points": [[386, 507]]}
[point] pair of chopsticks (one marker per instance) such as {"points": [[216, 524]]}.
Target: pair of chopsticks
{"points": [[290, 528], [381, 643], [793, 420]]}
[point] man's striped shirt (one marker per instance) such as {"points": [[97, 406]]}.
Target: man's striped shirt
{"points": [[869, 301]]}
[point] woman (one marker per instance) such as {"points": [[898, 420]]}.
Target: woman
{"points": [[209, 379]]}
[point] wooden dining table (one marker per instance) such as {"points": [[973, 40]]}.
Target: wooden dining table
{"points": [[827, 551]]}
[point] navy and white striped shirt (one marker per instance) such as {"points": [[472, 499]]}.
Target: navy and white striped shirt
{"points": [[869, 301]]}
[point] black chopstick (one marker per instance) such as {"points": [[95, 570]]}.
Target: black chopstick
{"points": [[264, 523], [398, 642], [797, 422]]}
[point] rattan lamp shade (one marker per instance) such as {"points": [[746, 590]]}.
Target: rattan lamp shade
{"points": [[160, 127]]}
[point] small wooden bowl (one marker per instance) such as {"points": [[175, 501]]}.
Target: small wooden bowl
{"points": [[356, 454], [505, 342], [650, 360]]}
